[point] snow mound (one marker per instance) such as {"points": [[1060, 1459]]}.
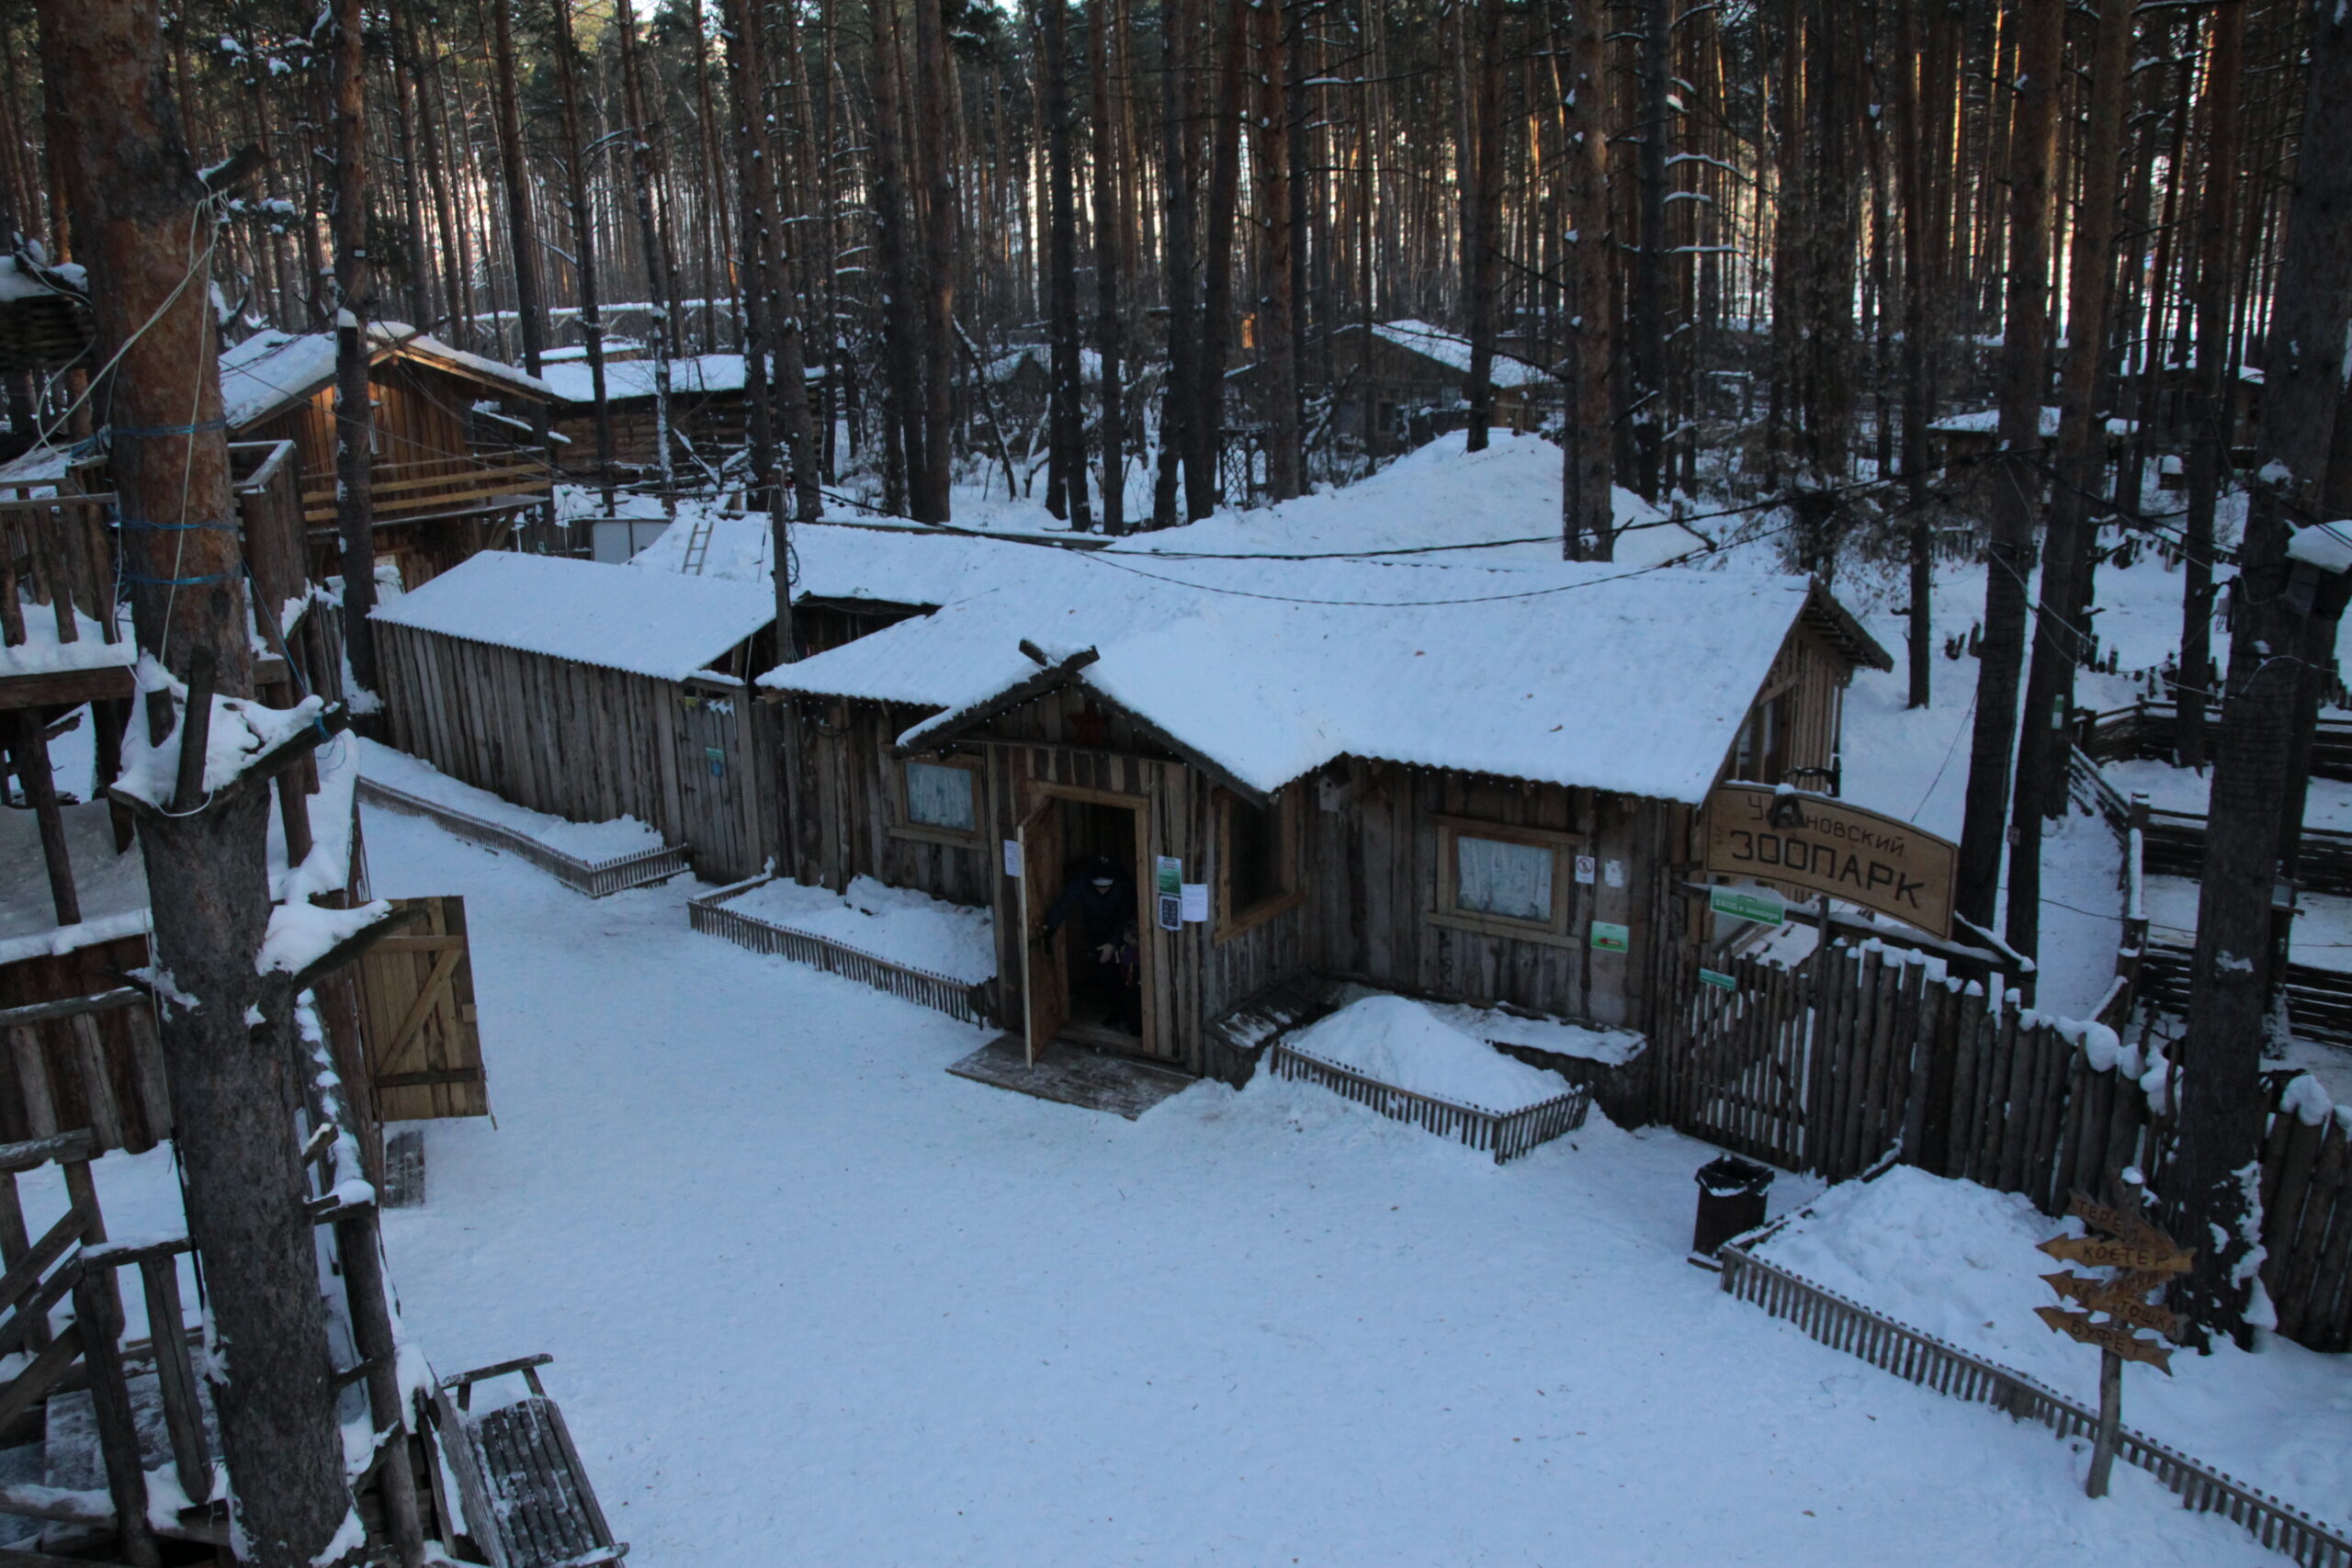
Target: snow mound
{"points": [[1959, 1260], [590, 842], [899, 924], [1400, 1042]]}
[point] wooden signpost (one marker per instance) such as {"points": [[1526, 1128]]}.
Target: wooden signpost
{"points": [[1817, 843], [2145, 1259]]}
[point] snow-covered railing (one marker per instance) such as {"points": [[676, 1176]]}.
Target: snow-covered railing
{"points": [[941, 993], [1921, 1357], [595, 878], [1507, 1133]]}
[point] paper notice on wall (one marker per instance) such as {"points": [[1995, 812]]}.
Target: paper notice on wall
{"points": [[1012, 857], [1196, 902], [1584, 870], [1615, 873]]}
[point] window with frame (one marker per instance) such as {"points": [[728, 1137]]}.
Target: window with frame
{"points": [[1505, 881], [1257, 862], [939, 799]]}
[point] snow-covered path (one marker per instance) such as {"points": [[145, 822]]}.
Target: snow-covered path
{"points": [[811, 1300]]}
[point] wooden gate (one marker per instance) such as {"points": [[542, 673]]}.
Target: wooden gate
{"points": [[1739, 1058], [416, 1006]]}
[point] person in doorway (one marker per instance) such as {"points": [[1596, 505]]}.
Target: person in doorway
{"points": [[1102, 898]]}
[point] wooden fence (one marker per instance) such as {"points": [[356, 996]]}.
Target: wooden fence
{"points": [[595, 878], [1823, 1067], [942, 992], [86, 1054], [1923, 1359], [1507, 1133], [2145, 730]]}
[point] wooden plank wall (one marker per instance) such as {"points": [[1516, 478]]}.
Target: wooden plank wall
{"points": [[712, 421], [103, 1071], [837, 778], [581, 742], [1372, 877]]}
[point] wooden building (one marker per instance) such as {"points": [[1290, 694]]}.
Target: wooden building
{"points": [[1411, 378], [1409, 780], [450, 479], [591, 692], [706, 413]]}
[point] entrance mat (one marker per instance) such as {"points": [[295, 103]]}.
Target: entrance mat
{"points": [[1072, 1077]]}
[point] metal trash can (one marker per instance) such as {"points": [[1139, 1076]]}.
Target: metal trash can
{"points": [[1730, 1200]]}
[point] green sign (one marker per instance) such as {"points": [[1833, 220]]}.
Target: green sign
{"points": [[1608, 938], [1749, 904], [1718, 979]]}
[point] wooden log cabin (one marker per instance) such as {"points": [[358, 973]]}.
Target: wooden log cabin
{"points": [[707, 412], [1409, 377], [592, 693], [1451, 782], [451, 477]]}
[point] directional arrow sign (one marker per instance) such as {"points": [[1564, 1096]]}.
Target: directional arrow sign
{"points": [[2079, 1326], [2095, 1254], [2119, 1223], [2103, 1295]]}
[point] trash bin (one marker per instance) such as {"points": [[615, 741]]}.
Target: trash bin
{"points": [[1730, 1200]]}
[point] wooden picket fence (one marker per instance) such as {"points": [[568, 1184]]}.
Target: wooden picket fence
{"points": [[1823, 1067], [595, 878], [942, 992], [1506, 1133], [1922, 1357], [2145, 730]]}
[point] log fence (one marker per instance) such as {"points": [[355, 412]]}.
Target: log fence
{"points": [[1506, 1134], [942, 992]]}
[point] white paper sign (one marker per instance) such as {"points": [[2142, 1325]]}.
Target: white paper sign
{"points": [[1584, 870], [1616, 874], [1012, 857], [1196, 901]]}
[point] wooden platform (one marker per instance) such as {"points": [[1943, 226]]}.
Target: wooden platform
{"points": [[1072, 1077]]}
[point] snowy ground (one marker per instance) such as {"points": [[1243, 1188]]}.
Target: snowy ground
{"points": [[897, 923], [809, 1294]]}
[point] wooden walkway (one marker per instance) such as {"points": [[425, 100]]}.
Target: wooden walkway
{"points": [[1069, 1076]]}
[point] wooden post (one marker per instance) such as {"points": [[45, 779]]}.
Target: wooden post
{"points": [[31, 748], [2110, 1420], [371, 1332], [101, 1320]]}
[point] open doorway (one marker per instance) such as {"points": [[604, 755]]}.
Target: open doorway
{"points": [[1087, 968]]}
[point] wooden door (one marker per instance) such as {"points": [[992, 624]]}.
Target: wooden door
{"points": [[1045, 984], [710, 757], [416, 1012]]}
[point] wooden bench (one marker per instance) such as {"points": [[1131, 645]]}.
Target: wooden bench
{"points": [[525, 1496]]}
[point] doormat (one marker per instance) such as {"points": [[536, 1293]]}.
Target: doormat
{"points": [[1072, 1077]]}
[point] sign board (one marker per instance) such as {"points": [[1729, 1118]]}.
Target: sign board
{"points": [[1718, 979], [1608, 937], [2138, 1256], [1821, 845], [2118, 1340], [2116, 1301], [1168, 880], [1758, 904], [1584, 871], [2116, 1222]]}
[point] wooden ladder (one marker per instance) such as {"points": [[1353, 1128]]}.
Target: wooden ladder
{"points": [[698, 543]]}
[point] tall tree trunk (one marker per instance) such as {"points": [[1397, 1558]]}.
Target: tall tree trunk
{"points": [[1110, 232], [772, 261], [1646, 312], [355, 441], [1914, 75], [513, 161], [229, 1054], [584, 242], [934, 121], [1181, 396], [2213, 378], [645, 176], [903, 369], [2016, 479], [1480, 175], [1589, 432], [2213, 1186], [2042, 732], [1277, 325], [1065, 433], [1200, 477]]}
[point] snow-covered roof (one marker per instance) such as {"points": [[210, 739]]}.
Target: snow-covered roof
{"points": [[18, 282], [272, 370], [634, 378], [1569, 673], [656, 624], [1453, 350], [1006, 366], [1988, 421]]}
